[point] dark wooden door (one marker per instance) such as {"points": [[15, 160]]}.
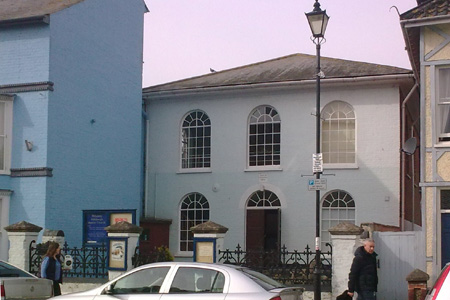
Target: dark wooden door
{"points": [[255, 230], [263, 229]]}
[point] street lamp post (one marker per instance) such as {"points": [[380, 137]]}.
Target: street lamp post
{"points": [[318, 20]]}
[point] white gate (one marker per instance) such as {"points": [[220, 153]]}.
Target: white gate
{"points": [[399, 254]]}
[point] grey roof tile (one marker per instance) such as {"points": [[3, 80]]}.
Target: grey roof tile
{"points": [[22, 9], [295, 67], [427, 9]]}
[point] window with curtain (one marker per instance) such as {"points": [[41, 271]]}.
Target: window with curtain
{"points": [[6, 106], [443, 104], [196, 141], [194, 210], [338, 133], [337, 206], [264, 139]]}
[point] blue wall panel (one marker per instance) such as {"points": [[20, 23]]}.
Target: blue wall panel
{"points": [[28, 200], [95, 111], [30, 123], [88, 130], [24, 54]]}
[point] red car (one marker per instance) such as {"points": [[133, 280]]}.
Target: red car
{"points": [[441, 288]]}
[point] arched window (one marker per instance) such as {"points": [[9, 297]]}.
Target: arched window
{"points": [[196, 141], [338, 206], [263, 198], [338, 133], [194, 210], [264, 137]]}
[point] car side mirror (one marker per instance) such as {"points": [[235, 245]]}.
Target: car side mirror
{"points": [[109, 289]]}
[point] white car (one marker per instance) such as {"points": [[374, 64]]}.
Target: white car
{"points": [[194, 281], [441, 288], [16, 283]]}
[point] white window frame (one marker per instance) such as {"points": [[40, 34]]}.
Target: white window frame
{"points": [[4, 221], [196, 221], [439, 225], [442, 106], [7, 100], [264, 199], [329, 197], [185, 148], [260, 117], [333, 138]]}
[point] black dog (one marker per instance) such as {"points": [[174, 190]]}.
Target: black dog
{"points": [[344, 296]]}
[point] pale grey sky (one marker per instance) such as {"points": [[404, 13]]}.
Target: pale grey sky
{"points": [[185, 38]]}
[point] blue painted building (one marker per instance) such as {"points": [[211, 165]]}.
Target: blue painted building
{"points": [[70, 111]]}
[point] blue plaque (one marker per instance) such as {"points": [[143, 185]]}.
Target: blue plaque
{"points": [[95, 221], [95, 227]]}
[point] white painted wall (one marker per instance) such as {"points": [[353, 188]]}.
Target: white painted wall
{"points": [[374, 185]]}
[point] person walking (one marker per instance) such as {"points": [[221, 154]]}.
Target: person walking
{"points": [[51, 267], [363, 277]]}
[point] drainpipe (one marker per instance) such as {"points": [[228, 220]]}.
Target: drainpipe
{"points": [[413, 179], [145, 160], [403, 131]]}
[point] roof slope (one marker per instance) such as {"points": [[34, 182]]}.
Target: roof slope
{"points": [[22, 9], [427, 9], [295, 67]]}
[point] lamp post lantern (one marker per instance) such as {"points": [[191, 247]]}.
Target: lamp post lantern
{"points": [[318, 20]]}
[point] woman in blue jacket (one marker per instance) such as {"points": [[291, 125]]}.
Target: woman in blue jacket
{"points": [[51, 267]]}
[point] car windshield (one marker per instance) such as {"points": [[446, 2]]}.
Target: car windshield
{"points": [[264, 281], [7, 270]]}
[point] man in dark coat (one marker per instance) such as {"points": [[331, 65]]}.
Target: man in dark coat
{"points": [[363, 276]]}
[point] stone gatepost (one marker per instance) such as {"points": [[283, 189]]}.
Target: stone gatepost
{"points": [[123, 238], [345, 238], [417, 284], [20, 236], [208, 240]]}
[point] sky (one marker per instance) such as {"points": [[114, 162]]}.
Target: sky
{"points": [[185, 38]]}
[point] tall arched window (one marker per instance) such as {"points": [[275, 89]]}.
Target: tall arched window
{"points": [[194, 210], [196, 141], [338, 133], [264, 137], [338, 206]]}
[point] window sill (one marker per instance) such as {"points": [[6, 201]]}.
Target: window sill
{"points": [[184, 254], [340, 166], [263, 168], [190, 171], [445, 144]]}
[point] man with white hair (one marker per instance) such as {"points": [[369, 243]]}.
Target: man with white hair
{"points": [[363, 276]]}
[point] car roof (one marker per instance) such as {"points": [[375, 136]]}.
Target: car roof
{"points": [[232, 270], [15, 267], [198, 264]]}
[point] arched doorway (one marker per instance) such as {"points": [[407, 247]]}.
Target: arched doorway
{"points": [[263, 228]]}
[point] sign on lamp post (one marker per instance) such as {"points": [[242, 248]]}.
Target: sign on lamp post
{"points": [[317, 163], [317, 184]]}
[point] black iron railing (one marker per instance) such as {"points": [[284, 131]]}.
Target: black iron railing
{"points": [[88, 262], [289, 267]]}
